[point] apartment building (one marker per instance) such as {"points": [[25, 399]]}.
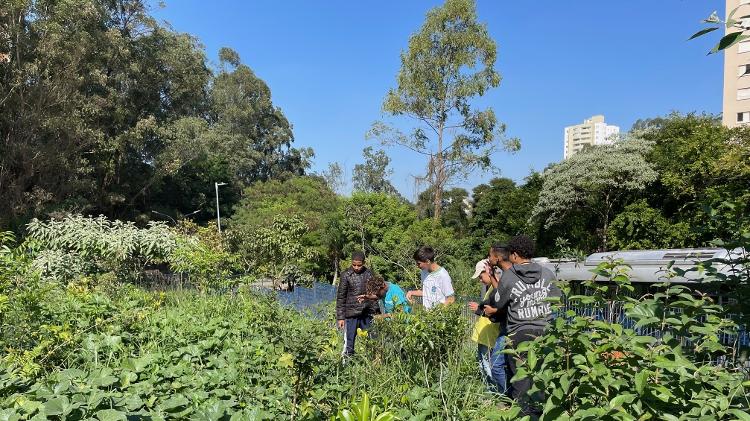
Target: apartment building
{"points": [[736, 106], [593, 131]]}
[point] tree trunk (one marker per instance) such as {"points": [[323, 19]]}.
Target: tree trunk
{"points": [[438, 171], [362, 233], [336, 270], [607, 211]]}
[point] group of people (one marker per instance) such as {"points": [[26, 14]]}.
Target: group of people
{"points": [[515, 306]]}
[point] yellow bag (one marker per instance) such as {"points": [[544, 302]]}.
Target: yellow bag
{"points": [[485, 332]]}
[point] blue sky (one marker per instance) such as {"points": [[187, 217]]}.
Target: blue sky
{"points": [[330, 63]]}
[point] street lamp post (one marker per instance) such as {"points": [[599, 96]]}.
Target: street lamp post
{"points": [[191, 213], [164, 214], [218, 216]]}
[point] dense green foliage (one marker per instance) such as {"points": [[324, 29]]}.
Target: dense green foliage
{"points": [[372, 175], [598, 368], [75, 246], [640, 226], [100, 348], [501, 210], [106, 111], [88, 345], [596, 179], [701, 165], [125, 116]]}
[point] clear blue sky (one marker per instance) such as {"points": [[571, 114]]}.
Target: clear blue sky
{"points": [[330, 63]]}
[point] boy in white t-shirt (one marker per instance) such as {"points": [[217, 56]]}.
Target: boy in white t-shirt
{"points": [[437, 287]]}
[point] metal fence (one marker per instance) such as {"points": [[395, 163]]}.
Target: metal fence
{"points": [[314, 300], [319, 295]]}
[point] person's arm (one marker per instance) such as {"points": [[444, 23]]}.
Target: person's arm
{"points": [[414, 293], [447, 288], [341, 294], [492, 274]]}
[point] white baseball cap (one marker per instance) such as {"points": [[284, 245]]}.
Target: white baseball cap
{"points": [[480, 267]]}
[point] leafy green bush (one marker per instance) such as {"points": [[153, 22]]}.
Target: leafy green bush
{"points": [[640, 226], [76, 245], [201, 254], [420, 366], [595, 368], [173, 356], [85, 350], [363, 411], [428, 338], [276, 251], [14, 262]]}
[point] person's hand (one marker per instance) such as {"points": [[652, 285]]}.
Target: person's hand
{"points": [[363, 297], [489, 310], [490, 271], [409, 295], [340, 323], [473, 306]]}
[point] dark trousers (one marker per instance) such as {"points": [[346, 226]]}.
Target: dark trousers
{"points": [[521, 387], [350, 331]]}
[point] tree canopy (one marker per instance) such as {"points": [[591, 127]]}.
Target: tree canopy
{"points": [[449, 61], [104, 110], [372, 176], [596, 178]]}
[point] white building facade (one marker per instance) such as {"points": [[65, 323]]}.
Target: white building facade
{"points": [[593, 131]]}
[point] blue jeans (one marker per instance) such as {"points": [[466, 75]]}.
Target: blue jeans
{"points": [[485, 364], [498, 366], [492, 365]]}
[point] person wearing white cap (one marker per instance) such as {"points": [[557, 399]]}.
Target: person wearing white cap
{"points": [[492, 268], [485, 331]]}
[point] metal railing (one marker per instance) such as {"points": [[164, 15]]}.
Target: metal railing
{"points": [[315, 299], [321, 294]]}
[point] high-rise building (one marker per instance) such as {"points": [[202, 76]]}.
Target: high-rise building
{"points": [[593, 131], [736, 107]]}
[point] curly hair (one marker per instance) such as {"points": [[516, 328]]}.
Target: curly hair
{"points": [[374, 285], [523, 246]]}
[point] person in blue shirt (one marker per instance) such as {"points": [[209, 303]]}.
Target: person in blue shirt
{"points": [[391, 296]]}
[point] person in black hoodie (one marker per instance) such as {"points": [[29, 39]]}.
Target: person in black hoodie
{"points": [[351, 313], [523, 291]]}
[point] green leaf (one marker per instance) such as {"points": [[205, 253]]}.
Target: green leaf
{"points": [[9, 415], [174, 403], [58, 406], [110, 415], [728, 41], [619, 400], [641, 378], [346, 415], [531, 359], [741, 415]]}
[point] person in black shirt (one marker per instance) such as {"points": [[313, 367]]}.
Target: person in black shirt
{"points": [[351, 313]]}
